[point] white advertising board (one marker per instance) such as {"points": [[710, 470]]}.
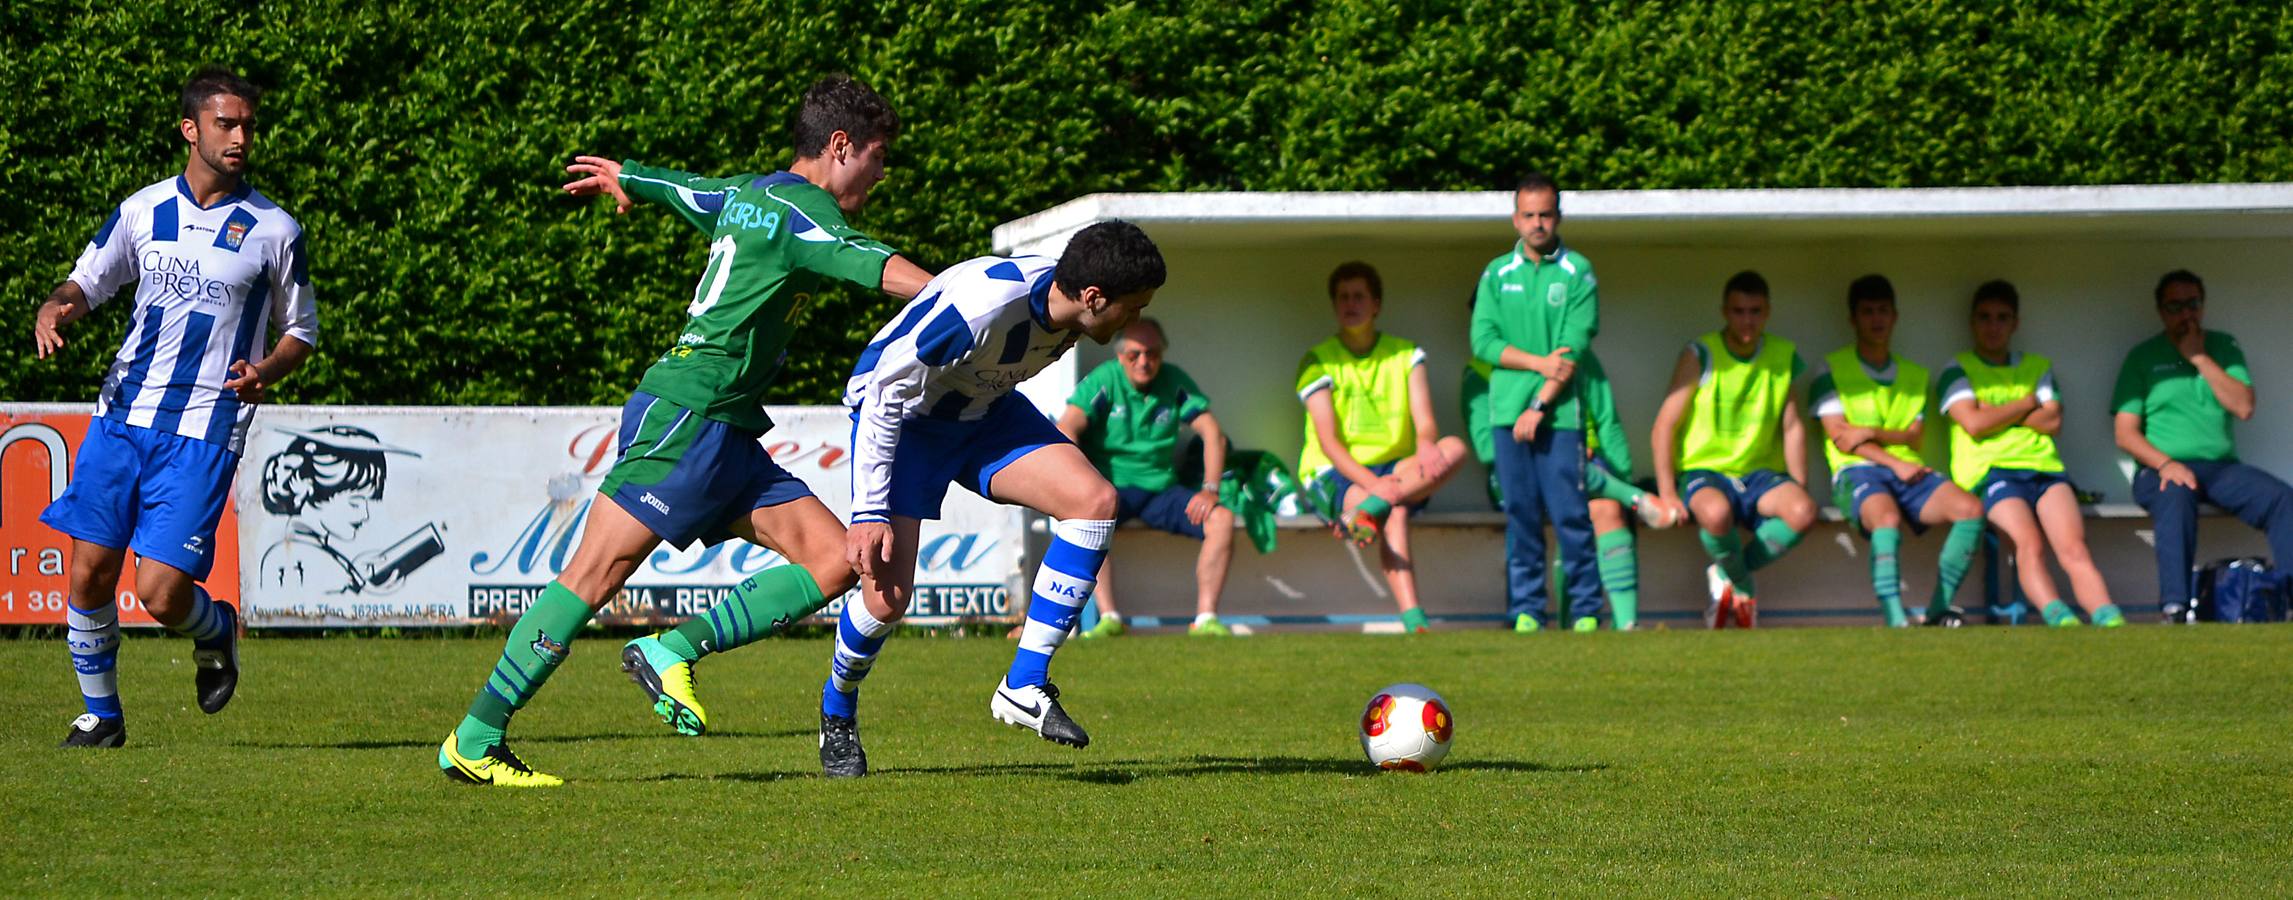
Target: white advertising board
{"points": [[363, 516]]}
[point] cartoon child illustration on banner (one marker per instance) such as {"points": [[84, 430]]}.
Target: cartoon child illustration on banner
{"points": [[325, 482]]}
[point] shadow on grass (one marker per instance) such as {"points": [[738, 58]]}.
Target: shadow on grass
{"points": [[432, 743], [1128, 771]]}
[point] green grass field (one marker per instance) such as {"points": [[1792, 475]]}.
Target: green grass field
{"points": [[1809, 761]]}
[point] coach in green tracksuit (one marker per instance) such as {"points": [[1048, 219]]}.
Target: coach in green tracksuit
{"points": [[1725, 439], [2005, 411], [1872, 404], [1533, 308]]}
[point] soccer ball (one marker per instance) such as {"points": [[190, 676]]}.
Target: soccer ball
{"points": [[1407, 727]]}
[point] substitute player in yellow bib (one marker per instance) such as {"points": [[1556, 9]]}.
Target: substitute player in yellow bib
{"points": [[1371, 444], [2005, 412], [1872, 404], [1726, 437]]}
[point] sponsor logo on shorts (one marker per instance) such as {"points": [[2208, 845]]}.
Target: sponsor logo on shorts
{"points": [[654, 502], [197, 544]]}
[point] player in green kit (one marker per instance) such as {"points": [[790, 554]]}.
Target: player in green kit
{"points": [[691, 467], [1873, 404], [1610, 495], [2005, 412], [1371, 448], [1126, 415], [1728, 424]]}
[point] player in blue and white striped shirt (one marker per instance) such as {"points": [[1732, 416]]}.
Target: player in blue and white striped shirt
{"points": [[933, 405], [212, 263]]}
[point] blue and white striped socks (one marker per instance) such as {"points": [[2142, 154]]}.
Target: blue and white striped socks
{"points": [[859, 637], [1070, 571], [208, 622], [93, 636]]}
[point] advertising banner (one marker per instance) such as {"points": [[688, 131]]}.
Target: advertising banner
{"points": [[417, 515], [38, 443], [410, 516]]}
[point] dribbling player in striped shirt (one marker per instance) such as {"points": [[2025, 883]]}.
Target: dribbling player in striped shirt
{"points": [[211, 261]]}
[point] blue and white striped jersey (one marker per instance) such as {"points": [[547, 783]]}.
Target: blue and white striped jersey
{"points": [[206, 281], [971, 336]]}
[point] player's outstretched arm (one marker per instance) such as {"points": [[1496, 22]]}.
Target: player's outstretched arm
{"points": [[904, 279], [65, 305], [697, 199]]}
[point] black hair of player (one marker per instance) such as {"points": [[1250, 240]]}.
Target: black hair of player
{"points": [[841, 103], [2178, 276], [212, 81], [1869, 287], [1537, 181], [1114, 256], [1745, 282], [1998, 290], [1347, 271]]}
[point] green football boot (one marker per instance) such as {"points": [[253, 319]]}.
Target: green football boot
{"points": [[1109, 626], [1210, 627], [1586, 625], [667, 680], [1526, 624]]}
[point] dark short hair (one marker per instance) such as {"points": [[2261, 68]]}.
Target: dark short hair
{"points": [[1148, 322], [1869, 287], [1997, 290], [1357, 269], [841, 103], [1114, 256], [1538, 181], [212, 81], [1745, 282], [2178, 276]]}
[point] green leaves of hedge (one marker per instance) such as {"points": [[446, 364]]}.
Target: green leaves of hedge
{"points": [[421, 144]]}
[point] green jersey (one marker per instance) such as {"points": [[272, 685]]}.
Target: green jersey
{"points": [[1603, 429], [2179, 412], [2017, 446], [1537, 305], [1473, 402], [1369, 393], [1735, 422], [774, 241], [1892, 397], [1133, 433]]}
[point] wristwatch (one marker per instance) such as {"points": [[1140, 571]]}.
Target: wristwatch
{"points": [[1536, 404]]}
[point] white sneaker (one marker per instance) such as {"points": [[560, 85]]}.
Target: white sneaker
{"points": [[1653, 513], [1036, 708], [1723, 604]]}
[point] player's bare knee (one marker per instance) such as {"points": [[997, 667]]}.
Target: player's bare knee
{"points": [[1096, 501], [1220, 517], [1607, 515], [833, 575], [1799, 513], [1876, 518]]}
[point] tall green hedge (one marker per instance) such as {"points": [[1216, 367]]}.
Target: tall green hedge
{"points": [[420, 143]]}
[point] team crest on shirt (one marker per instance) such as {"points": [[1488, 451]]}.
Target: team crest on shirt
{"points": [[234, 234], [1556, 294]]}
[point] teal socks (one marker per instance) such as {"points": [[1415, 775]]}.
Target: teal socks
{"points": [[1886, 574], [538, 643]]}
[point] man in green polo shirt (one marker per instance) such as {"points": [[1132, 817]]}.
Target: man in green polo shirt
{"points": [[1726, 436], [2175, 396], [2005, 411], [1873, 404], [1126, 415], [1535, 311]]}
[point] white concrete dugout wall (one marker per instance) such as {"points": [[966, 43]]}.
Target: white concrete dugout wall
{"points": [[1247, 296]]}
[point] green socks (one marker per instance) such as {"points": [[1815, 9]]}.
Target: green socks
{"points": [[1413, 620], [1886, 577], [1958, 553], [537, 644], [1374, 507], [1773, 539], [1728, 550], [1599, 486], [1620, 575], [762, 605]]}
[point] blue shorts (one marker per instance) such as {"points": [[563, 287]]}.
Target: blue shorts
{"points": [[1328, 490], [1164, 509], [688, 478], [158, 494], [936, 453], [2026, 485], [1743, 493], [1852, 485]]}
